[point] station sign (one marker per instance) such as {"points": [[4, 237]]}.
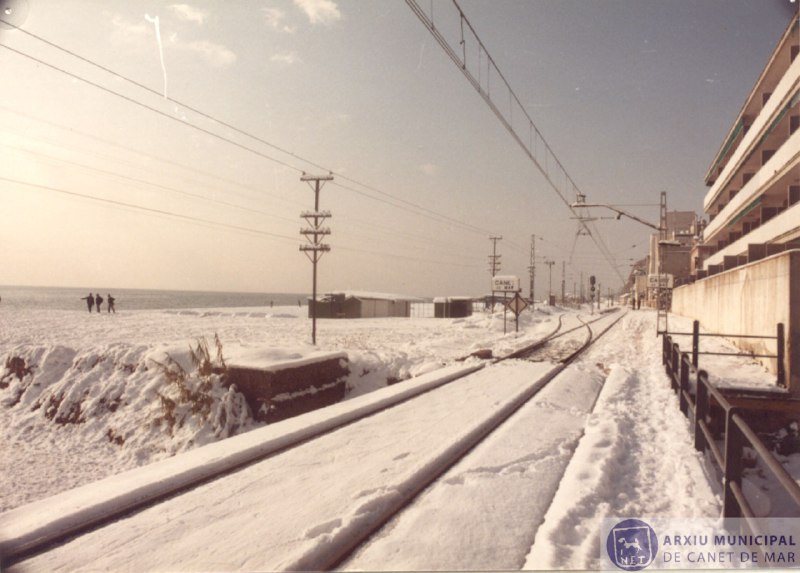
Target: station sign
{"points": [[505, 283], [660, 281]]}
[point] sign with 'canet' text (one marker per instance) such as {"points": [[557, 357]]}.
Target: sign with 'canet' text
{"points": [[505, 283]]}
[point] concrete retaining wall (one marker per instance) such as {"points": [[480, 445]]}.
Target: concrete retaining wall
{"points": [[288, 389], [751, 299]]}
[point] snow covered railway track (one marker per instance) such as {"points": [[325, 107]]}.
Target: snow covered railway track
{"points": [[353, 556], [546, 350], [32, 529], [561, 348], [311, 506]]}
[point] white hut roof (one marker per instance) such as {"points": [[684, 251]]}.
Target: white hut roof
{"points": [[374, 296]]}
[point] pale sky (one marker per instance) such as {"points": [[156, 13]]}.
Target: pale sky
{"points": [[132, 190]]}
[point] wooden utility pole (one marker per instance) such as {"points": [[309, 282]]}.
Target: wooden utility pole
{"points": [[550, 290], [494, 261], [314, 233], [661, 303], [532, 269]]}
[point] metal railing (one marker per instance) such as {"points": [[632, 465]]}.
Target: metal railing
{"points": [[738, 433], [779, 356]]}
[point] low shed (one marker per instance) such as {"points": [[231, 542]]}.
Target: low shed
{"points": [[452, 307], [363, 305]]}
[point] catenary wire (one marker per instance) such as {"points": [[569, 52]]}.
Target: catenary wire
{"points": [[425, 211], [428, 22]]}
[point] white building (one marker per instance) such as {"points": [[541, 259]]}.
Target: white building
{"points": [[747, 268], [754, 180]]}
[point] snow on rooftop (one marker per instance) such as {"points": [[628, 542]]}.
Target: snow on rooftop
{"points": [[374, 295]]}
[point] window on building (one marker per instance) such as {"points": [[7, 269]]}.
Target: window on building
{"points": [[747, 177], [764, 98], [794, 50], [733, 193], [794, 123], [794, 194], [766, 154]]}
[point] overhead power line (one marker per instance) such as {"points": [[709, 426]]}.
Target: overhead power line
{"points": [[199, 220], [194, 170], [150, 108], [152, 91], [439, 242], [470, 55], [390, 199], [140, 181], [395, 235], [150, 210]]}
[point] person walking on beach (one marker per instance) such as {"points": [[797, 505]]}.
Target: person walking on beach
{"points": [[89, 301], [98, 300], [111, 304]]}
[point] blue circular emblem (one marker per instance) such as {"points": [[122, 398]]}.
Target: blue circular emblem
{"points": [[632, 545]]}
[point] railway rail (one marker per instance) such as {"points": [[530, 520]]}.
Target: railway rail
{"points": [[564, 351], [77, 524], [564, 357]]}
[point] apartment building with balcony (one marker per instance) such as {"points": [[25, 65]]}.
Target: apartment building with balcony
{"points": [[754, 180], [746, 268]]}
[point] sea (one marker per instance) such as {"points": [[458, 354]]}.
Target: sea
{"points": [[68, 298]]}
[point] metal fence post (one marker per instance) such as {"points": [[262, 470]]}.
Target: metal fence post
{"points": [[734, 444], [684, 385], [664, 346], [695, 342], [700, 410], [781, 356], [675, 365]]}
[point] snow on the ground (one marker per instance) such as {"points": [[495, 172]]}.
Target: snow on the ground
{"points": [[633, 455], [94, 398], [290, 510], [483, 514], [637, 457], [723, 371], [50, 518]]}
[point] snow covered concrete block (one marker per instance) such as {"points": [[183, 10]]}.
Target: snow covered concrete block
{"points": [[283, 390]]}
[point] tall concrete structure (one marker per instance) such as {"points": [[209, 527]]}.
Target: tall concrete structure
{"points": [[746, 269]]}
